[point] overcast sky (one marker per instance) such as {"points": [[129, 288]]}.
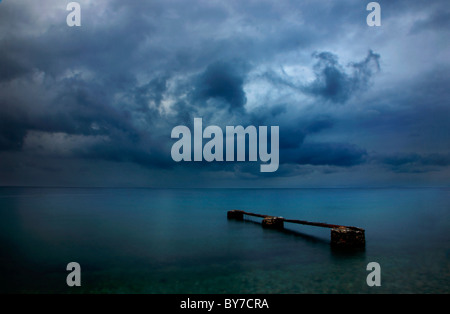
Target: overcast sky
{"points": [[95, 105]]}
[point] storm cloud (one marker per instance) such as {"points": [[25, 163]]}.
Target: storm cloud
{"points": [[104, 97], [333, 83]]}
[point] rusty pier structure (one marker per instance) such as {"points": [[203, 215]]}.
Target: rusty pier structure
{"points": [[341, 236]]}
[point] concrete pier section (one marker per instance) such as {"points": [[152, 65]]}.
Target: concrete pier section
{"points": [[341, 236]]}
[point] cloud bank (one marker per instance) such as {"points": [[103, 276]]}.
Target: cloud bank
{"points": [[94, 105]]}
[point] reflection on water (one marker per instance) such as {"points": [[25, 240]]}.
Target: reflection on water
{"points": [[179, 241]]}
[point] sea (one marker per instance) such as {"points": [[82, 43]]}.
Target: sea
{"points": [[179, 241]]}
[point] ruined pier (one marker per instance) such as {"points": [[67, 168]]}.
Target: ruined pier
{"points": [[341, 236]]}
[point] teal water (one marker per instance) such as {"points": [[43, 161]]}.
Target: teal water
{"points": [[179, 241]]}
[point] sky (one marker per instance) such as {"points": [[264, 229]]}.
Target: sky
{"points": [[94, 105]]}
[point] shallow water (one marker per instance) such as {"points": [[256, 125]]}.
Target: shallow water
{"points": [[179, 240]]}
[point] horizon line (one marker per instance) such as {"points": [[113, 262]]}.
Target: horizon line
{"points": [[217, 188]]}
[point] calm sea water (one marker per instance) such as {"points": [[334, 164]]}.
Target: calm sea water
{"points": [[179, 241]]}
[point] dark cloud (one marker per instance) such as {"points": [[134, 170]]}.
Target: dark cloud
{"points": [[331, 154], [225, 81], [10, 68], [149, 95], [321, 123], [439, 20], [123, 151], [112, 90], [11, 134], [334, 83], [414, 162], [293, 133]]}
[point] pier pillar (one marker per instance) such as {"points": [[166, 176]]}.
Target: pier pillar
{"points": [[273, 222], [345, 237], [235, 214]]}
